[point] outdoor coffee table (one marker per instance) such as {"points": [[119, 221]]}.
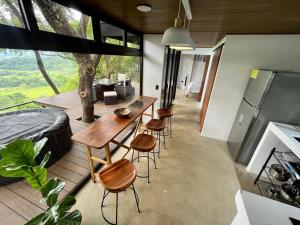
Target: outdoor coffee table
{"points": [[103, 131]]}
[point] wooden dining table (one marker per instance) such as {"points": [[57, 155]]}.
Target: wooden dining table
{"points": [[103, 131]]}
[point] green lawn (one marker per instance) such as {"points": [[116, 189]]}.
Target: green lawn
{"points": [[29, 92]]}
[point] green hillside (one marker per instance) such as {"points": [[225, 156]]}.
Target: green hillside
{"points": [[21, 80]]}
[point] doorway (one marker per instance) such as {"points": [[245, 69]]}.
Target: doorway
{"points": [[208, 84]]}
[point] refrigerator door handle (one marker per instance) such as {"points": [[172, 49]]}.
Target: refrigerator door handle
{"points": [[241, 118]]}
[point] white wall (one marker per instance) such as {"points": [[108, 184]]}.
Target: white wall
{"points": [[241, 53], [198, 51], [153, 66], [197, 72], [185, 68]]}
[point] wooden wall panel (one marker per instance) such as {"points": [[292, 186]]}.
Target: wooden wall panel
{"points": [[212, 19], [210, 79]]}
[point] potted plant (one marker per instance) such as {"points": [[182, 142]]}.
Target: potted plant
{"points": [[18, 160]]}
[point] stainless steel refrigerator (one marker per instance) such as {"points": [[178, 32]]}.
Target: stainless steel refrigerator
{"points": [[269, 96]]}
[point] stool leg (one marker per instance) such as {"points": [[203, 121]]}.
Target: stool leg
{"points": [[102, 203], [159, 144], [148, 168], [154, 159], [117, 202], [132, 155], [136, 199], [164, 138], [157, 139], [170, 126]]}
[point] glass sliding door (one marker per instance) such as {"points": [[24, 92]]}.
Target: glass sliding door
{"points": [[170, 75]]}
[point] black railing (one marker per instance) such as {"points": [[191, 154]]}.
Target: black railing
{"points": [[13, 106]]}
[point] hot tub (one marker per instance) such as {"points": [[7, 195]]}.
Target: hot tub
{"points": [[35, 124]]}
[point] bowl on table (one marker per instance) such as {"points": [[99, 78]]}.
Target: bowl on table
{"points": [[122, 112]]}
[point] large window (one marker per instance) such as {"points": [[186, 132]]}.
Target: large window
{"points": [[10, 13], [133, 41], [27, 75], [111, 34], [75, 19], [21, 80]]}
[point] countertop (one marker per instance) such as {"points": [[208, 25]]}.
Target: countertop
{"points": [[279, 136], [286, 134], [257, 210]]}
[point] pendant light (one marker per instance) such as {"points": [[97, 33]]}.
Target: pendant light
{"points": [[177, 36], [184, 47]]}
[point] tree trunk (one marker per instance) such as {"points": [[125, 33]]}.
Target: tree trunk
{"points": [[39, 61], [87, 72], [58, 20], [44, 72]]}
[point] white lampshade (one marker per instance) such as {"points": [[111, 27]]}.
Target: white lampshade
{"points": [[184, 47], [176, 36]]}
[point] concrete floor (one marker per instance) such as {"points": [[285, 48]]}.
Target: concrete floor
{"points": [[195, 182]]}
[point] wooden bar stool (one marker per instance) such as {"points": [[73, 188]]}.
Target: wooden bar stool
{"points": [[144, 143], [115, 178], [157, 126], [167, 115]]}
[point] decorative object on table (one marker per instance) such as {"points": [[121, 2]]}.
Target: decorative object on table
{"points": [[110, 98], [136, 104], [122, 112], [19, 160], [278, 172], [35, 124]]}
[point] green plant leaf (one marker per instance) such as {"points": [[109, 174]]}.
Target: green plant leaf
{"points": [[70, 218], [51, 190], [38, 220], [39, 145], [9, 169], [19, 152], [46, 159], [38, 179], [58, 210], [66, 204]]}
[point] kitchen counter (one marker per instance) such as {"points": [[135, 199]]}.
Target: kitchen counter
{"points": [[278, 135], [254, 209]]}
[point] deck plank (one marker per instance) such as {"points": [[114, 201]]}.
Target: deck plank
{"points": [[19, 204], [79, 161], [27, 192], [65, 173], [9, 216], [72, 167]]}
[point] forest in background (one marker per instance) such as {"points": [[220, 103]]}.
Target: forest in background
{"points": [[21, 80]]}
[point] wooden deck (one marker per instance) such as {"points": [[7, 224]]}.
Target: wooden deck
{"points": [[18, 201]]}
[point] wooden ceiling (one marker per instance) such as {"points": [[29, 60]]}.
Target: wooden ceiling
{"points": [[212, 19]]}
